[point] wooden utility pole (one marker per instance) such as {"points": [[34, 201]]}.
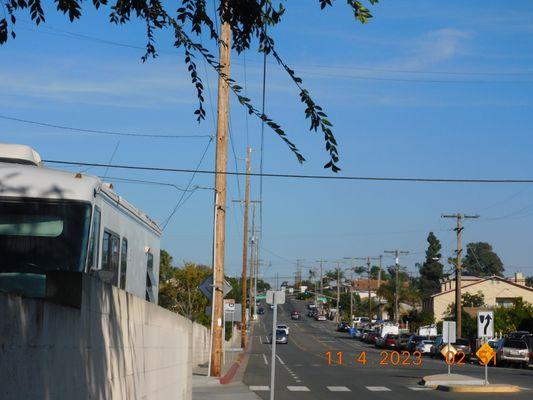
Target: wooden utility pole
{"points": [[369, 289], [379, 285], [221, 161], [252, 263], [321, 275], [397, 282], [245, 250], [337, 319], [458, 267]]}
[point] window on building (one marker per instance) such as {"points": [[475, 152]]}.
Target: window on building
{"points": [[505, 302], [150, 282], [92, 260], [110, 256], [123, 263]]}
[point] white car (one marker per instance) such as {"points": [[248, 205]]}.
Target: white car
{"points": [[283, 328], [320, 317], [424, 346]]}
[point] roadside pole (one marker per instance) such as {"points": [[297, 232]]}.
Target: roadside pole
{"points": [[273, 360], [274, 297]]}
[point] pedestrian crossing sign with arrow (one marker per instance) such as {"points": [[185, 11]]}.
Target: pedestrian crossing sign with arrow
{"points": [[485, 324]]}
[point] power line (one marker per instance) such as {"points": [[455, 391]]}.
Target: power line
{"points": [[78, 36], [180, 203], [101, 132], [300, 176]]}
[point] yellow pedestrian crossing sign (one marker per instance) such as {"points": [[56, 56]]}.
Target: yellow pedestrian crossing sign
{"points": [[485, 353]]}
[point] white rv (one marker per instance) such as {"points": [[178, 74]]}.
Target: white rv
{"points": [[52, 220]]}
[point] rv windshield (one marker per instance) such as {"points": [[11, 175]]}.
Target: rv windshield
{"points": [[37, 236]]}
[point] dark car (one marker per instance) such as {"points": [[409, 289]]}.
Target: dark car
{"points": [[461, 345], [401, 342], [343, 327], [260, 310], [372, 337], [295, 315], [413, 341]]}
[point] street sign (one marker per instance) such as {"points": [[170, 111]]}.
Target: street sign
{"points": [[229, 305], [448, 332], [485, 354], [448, 352], [322, 299], [280, 296], [261, 297], [206, 287], [485, 324]]}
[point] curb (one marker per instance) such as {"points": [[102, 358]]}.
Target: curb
{"points": [[480, 389], [228, 377]]}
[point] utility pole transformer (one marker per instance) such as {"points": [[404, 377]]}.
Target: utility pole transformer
{"points": [[458, 267], [221, 161]]}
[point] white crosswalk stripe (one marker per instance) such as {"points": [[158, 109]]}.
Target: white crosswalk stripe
{"points": [[378, 388], [298, 388], [259, 388], [338, 389], [419, 388]]}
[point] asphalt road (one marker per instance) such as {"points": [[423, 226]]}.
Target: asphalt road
{"points": [[302, 370]]}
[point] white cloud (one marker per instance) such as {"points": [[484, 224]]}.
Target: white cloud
{"points": [[433, 48]]}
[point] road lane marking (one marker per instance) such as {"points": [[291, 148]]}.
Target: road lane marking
{"points": [[261, 339], [338, 389], [259, 388], [378, 388], [419, 388], [298, 365], [316, 365], [280, 360], [298, 389], [265, 359]]}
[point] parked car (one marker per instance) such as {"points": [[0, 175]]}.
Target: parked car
{"points": [[343, 327], [461, 345], [281, 337], [355, 333], [512, 351], [372, 337], [260, 310], [424, 346], [295, 315], [413, 341], [380, 342], [529, 340], [359, 321], [517, 334], [401, 342], [320, 317], [284, 328]]}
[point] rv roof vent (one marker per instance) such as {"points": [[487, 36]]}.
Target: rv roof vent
{"points": [[19, 154]]}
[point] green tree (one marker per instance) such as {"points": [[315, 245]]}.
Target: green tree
{"points": [[406, 293], [481, 260], [417, 319], [187, 20], [508, 319], [181, 294], [431, 271], [166, 270], [473, 300], [529, 281]]}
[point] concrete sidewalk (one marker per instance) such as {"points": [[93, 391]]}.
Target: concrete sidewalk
{"points": [[206, 388]]}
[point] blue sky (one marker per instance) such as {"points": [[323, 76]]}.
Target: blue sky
{"points": [[426, 89]]}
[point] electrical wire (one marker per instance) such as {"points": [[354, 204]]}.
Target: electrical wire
{"points": [[300, 176], [180, 203], [101, 132]]}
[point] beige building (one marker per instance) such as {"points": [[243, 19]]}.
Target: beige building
{"points": [[498, 291]]}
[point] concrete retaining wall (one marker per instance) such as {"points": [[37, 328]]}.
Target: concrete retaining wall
{"points": [[117, 346], [200, 345]]}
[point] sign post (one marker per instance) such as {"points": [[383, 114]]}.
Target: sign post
{"points": [[274, 297], [485, 330], [448, 337]]}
